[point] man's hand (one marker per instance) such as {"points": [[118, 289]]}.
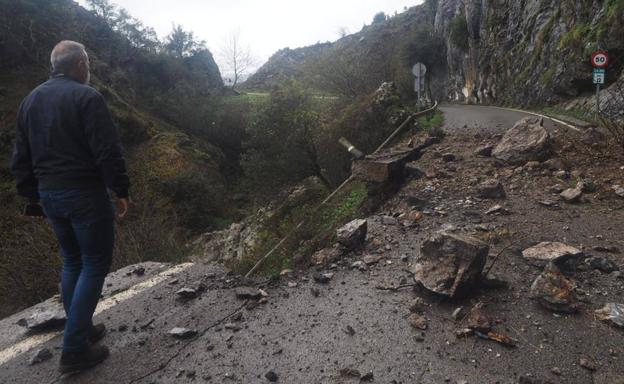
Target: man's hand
{"points": [[122, 207]]}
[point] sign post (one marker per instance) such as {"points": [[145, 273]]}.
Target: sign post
{"points": [[600, 61], [419, 70]]}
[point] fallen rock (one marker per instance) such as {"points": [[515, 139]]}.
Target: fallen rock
{"points": [[418, 321], [417, 305], [618, 190], [450, 264], [42, 321], [572, 195], [458, 313], [497, 209], [359, 265], [411, 219], [413, 171], [612, 313], [491, 189], [182, 333], [449, 157], [588, 363], [372, 259], [484, 151], [271, 376], [526, 141], [554, 292], [188, 293], [478, 321], [248, 293], [603, 264], [327, 255], [550, 252], [389, 220], [353, 234], [40, 356], [322, 278]]}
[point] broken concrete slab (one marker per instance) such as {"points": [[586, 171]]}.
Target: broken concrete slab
{"points": [[611, 313], [450, 264], [385, 165], [550, 252], [353, 234], [526, 141]]}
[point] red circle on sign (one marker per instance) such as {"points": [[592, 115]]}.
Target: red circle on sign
{"points": [[600, 59]]}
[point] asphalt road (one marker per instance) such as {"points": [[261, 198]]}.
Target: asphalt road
{"points": [[466, 118], [324, 333]]}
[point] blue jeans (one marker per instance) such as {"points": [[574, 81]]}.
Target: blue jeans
{"points": [[83, 221]]}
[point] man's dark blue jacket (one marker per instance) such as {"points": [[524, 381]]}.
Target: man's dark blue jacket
{"points": [[66, 139]]}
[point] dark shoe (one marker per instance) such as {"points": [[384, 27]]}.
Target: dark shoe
{"points": [[84, 359], [96, 333]]}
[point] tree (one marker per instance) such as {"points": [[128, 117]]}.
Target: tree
{"points": [[236, 57], [343, 31], [181, 43], [103, 8], [380, 17]]}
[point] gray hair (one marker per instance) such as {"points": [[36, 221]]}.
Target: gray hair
{"points": [[66, 55]]}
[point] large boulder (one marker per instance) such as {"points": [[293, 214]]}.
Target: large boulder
{"points": [[450, 264], [526, 141]]}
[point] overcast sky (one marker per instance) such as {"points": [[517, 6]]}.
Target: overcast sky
{"points": [[265, 25]]}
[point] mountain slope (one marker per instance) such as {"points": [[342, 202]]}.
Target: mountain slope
{"points": [[161, 103], [480, 51]]}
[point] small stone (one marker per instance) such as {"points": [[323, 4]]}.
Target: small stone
{"points": [[322, 278], [479, 321], [417, 305], [491, 189], [367, 377], [556, 371], [458, 313], [449, 157], [182, 333], [571, 195], [187, 293], [418, 321], [190, 373], [40, 356], [292, 284], [349, 330], [588, 363], [612, 313], [248, 293], [603, 264], [315, 292], [389, 220], [618, 190], [44, 320], [372, 259], [139, 271], [497, 209], [484, 151], [554, 292], [271, 376], [359, 265]]}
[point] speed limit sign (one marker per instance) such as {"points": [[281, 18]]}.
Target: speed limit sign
{"points": [[600, 59]]}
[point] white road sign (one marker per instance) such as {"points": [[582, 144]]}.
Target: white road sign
{"points": [[419, 69]]}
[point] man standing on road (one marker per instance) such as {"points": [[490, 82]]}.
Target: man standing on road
{"points": [[67, 154]]}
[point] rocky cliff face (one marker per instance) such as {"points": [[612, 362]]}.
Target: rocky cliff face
{"points": [[527, 52], [518, 52]]}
